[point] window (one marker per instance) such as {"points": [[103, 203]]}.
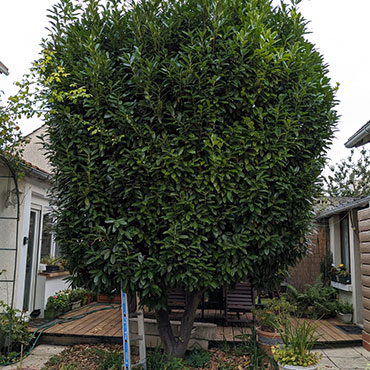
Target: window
{"points": [[344, 240], [48, 246], [46, 238]]}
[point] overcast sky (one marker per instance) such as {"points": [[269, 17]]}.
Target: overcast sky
{"points": [[339, 29]]}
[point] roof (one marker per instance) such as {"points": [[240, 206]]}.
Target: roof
{"points": [[4, 69], [37, 171], [361, 137], [344, 207]]}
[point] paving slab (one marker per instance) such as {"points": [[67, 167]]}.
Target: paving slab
{"points": [[347, 352], [325, 363], [364, 352], [352, 363], [37, 359]]}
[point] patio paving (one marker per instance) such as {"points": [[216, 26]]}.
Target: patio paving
{"points": [[348, 358]]}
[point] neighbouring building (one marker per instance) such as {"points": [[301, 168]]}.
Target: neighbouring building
{"points": [[25, 232], [362, 223]]}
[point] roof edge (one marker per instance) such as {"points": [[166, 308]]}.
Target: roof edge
{"points": [[361, 137], [358, 203], [4, 69]]}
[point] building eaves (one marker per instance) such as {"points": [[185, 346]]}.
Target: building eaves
{"points": [[37, 171], [344, 207], [361, 137]]}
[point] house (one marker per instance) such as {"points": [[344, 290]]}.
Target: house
{"points": [[359, 138], [344, 245], [25, 231]]}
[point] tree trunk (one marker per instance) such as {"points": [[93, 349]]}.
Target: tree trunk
{"points": [[176, 346]]}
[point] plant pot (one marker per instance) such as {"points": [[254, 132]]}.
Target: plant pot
{"points": [[334, 277], [294, 367], [4, 342], [268, 339], [51, 314], [53, 268], [75, 304], [107, 298], [345, 279], [344, 317]]}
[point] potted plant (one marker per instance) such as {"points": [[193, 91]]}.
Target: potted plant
{"points": [[52, 263], [56, 305], [75, 297], [111, 297], [299, 338], [14, 331], [268, 320], [345, 311], [334, 274]]}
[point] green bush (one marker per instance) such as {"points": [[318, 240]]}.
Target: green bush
{"points": [[345, 307], [111, 360], [187, 138], [58, 302], [156, 360], [13, 329], [314, 301], [198, 358], [250, 347]]}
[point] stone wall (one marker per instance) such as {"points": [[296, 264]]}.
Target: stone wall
{"points": [[201, 334]]}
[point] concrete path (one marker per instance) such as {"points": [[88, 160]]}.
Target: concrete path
{"points": [[36, 360], [349, 358]]}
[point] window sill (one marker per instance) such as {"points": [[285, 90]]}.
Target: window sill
{"points": [[54, 274], [345, 287]]}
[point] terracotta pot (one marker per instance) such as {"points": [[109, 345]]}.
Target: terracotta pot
{"points": [[107, 298], [268, 339]]}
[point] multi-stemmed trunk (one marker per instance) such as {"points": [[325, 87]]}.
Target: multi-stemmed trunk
{"points": [[175, 346]]}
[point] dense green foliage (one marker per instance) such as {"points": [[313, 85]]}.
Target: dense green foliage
{"points": [[316, 300], [186, 137], [10, 135], [351, 176], [14, 331], [156, 360]]}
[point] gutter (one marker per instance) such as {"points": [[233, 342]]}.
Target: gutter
{"points": [[360, 203], [38, 173], [4, 69], [361, 137]]}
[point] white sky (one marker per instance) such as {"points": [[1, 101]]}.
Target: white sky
{"points": [[340, 30]]}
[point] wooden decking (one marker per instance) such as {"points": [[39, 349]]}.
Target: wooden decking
{"points": [[102, 323]]}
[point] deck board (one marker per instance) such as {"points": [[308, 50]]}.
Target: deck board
{"points": [[84, 324], [107, 324]]}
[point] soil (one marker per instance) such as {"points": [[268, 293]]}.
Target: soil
{"points": [[86, 357]]}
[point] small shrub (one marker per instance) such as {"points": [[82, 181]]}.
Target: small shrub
{"points": [[316, 300], [58, 302], [268, 316], [298, 338], [13, 329], [198, 358], [111, 361], [345, 307], [156, 360], [251, 348]]}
